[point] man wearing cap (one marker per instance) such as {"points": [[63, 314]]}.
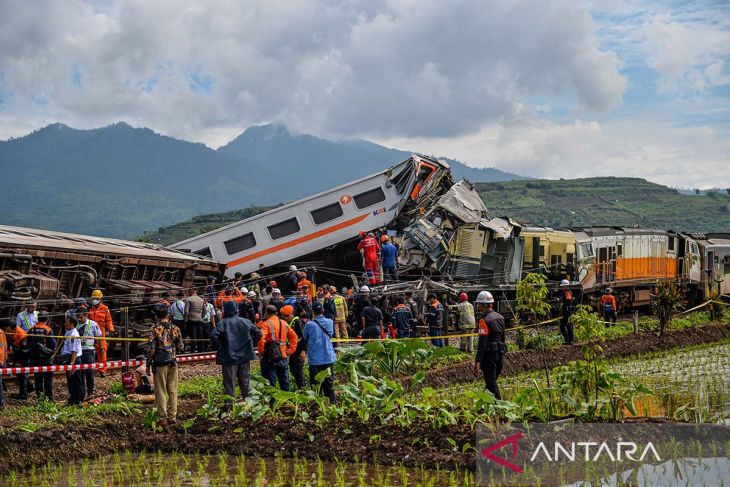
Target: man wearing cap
{"points": [[566, 309], [491, 347], [193, 312], [99, 312], [87, 328], [321, 355], [235, 338], [28, 317]]}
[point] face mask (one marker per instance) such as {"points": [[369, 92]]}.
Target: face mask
{"points": [[95, 302]]}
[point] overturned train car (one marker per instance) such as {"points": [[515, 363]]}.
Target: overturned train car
{"points": [[53, 268]]}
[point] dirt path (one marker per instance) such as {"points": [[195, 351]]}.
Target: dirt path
{"points": [[530, 360]]}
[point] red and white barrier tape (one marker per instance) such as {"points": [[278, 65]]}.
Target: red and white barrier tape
{"points": [[115, 364]]}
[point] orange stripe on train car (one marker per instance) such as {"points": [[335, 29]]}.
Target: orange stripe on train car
{"points": [[297, 241]]}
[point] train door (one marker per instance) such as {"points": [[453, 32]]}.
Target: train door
{"points": [[602, 268], [692, 261]]}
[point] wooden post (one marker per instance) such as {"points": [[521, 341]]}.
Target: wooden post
{"points": [[125, 321], [636, 322]]}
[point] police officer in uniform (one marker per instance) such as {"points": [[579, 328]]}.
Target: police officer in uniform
{"points": [[491, 348]]}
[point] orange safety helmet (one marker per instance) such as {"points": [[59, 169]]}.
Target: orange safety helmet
{"points": [[463, 297], [384, 238], [272, 283]]}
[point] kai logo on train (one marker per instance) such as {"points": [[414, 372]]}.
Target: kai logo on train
{"points": [[345, 199], [379, 211]]}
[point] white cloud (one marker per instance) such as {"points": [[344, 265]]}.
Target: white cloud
{"points": [[688, 54], [650, 149], [382, 67]]}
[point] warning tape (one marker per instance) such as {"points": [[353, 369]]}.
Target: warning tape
{"points": [[114, 364]]}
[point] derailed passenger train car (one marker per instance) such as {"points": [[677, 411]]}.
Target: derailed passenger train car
{"points": [[53, 268]]}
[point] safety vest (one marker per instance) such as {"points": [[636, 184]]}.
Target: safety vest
{"points": [[340, 308], [85, 330]]}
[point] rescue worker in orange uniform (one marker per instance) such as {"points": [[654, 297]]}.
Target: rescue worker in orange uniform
{"points": [[278, 342], [99, 312], [305, 285], [491, 348], [607, 305], [371, 254], [19, 347]]}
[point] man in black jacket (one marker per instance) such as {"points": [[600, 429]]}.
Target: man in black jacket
{"points": [[235, 338], [491, 348]]}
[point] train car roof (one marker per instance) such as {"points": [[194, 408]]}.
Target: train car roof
{"points": [[608, 231], [33, 238], [308, 198]]}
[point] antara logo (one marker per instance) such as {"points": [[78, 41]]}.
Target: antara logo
{"points": [[379, 211], [589, 451]]}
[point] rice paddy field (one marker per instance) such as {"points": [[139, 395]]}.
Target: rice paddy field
{"points": [[407, 414]]}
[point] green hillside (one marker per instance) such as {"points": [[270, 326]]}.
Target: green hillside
{"points": [[606, 201], [200, 224]]}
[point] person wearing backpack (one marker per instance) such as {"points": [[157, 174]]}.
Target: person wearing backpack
{"points": [[235, 337], [278, 342], [41, 349], [321, 355], [165, 342]]}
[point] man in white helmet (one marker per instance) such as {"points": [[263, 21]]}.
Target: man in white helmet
{"points": [[566, 308], [491, 348], [291, 280]]}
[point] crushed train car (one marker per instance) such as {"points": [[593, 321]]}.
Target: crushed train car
{"points": [[441, 227]]}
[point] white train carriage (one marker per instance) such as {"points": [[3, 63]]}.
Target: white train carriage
{"points": [[320, 221], [716, 256]]}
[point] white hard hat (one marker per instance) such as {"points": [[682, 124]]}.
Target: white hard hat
{"points": [[244, 290], [292, 267], [251, 294], [364, 289], [275, 291], [565, 282], [484, 297]]}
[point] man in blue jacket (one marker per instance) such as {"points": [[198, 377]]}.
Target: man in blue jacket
{"points": [[318, 334], [235, 338], [389, 254]]}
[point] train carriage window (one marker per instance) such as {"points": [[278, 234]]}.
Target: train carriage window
{"points": [[619, 250], [542, 251], [283, 229], [326, 213], [205, 252], [587, 249], [369, 198], [239, 244], [671, 244]]}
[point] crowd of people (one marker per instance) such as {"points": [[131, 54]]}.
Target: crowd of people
{"points": [[285, 328]]}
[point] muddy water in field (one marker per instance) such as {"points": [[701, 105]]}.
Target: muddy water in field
{"points": [[218, 470]]}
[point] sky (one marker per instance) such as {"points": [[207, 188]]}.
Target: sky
{"points": [[556, 89]]}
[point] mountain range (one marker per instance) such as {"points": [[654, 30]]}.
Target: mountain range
{"points": [[119, 181]]}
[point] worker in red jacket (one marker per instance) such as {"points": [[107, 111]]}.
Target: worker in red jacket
{"points": [[99, 312], [371, 254]]}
